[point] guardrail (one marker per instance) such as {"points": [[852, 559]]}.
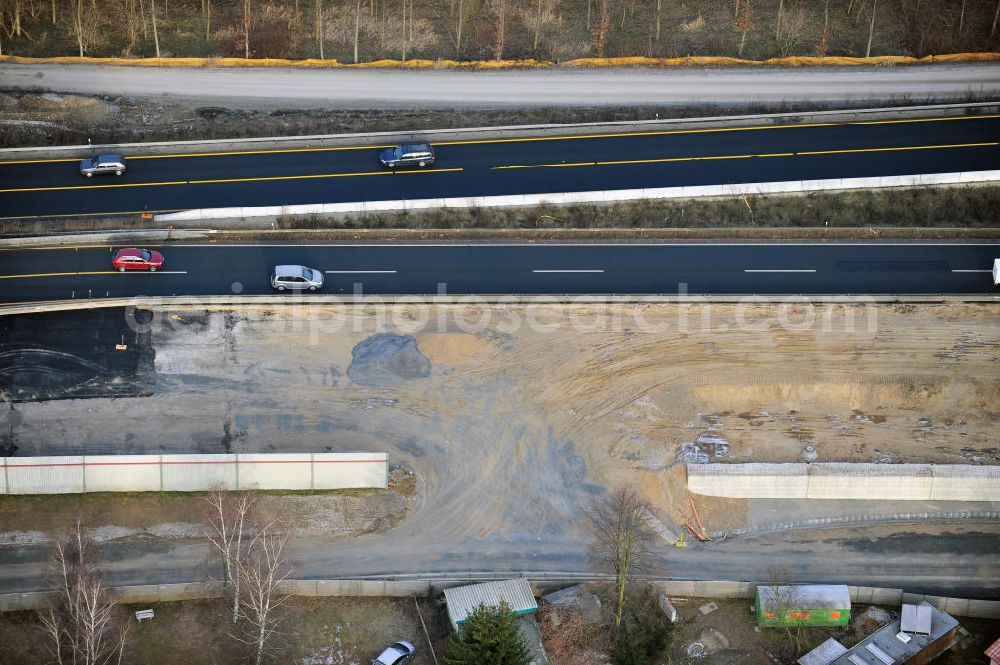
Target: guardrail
{"points": [[229, 302], [469, 133], [541, 582]]}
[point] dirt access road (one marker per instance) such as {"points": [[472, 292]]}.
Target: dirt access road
{"points": [[372, 88], [514, 419]]}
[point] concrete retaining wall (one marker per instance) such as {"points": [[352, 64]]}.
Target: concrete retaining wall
{"points": [[431, 585], [191, 473], [565, 198], [895, 482]]}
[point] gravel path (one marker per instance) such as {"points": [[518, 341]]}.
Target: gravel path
{"points": [[293, 88]]}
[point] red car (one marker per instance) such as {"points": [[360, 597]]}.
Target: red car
{"points": [[137, 259]]}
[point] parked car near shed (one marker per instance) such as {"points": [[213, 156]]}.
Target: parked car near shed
{"points": [[103, 165], [397, 653]]}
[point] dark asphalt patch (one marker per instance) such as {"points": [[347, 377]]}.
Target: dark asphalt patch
{"points": [[973, 543], [74, 355]]}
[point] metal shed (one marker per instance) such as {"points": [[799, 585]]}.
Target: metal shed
{"points": [[463, 599], [803, 604]]}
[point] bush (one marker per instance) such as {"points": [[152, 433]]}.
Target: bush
{"points": [[645, 632], [488, 637]]}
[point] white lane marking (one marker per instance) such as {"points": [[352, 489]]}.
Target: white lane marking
{"points": [[360, 272], [779, 270], [987, 270], [567, 271]]}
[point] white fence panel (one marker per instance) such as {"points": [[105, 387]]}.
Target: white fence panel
{"points": [[45, 475], [122, 473], [341, 470], [193, 473], [269, 472]]}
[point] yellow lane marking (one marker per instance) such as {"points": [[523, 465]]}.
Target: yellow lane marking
{"points": [[124, 184], [89, 214], [776, 154], [224, 180], [912, 147], [60, 274], [537, 138], [693, 159]]}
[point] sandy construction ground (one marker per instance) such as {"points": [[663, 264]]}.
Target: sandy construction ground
{"points": [[513, 417]]}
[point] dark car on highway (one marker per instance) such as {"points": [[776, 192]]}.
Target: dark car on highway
{"points": [[408, 154], [103, 165], [133, 258]]}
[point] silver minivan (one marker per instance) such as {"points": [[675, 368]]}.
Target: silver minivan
{"points": [[296, 278], [102, 165]]}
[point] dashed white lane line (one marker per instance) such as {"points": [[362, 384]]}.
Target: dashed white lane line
{"points": [[780, 270], [563, 271], [153, 272], [360, 272], [977, 270]]}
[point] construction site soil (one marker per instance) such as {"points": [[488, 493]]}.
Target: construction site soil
{"points": [[511, 413]]}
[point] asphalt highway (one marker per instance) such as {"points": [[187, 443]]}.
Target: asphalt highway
{"points": [[397, 269], [507, 167]]}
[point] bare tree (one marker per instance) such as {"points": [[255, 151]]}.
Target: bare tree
{"points": [[619, 541], [84, 25], [792, 30], [824, 41], [599, 33], [500, 12], [871, 30], [744, 24], [659, 9], [459, 23], [156, 33], [996, 16], [781, 15], [263, 570], [357, 28], [320, 27], [81, 627], [231, 515], [247, 25]]}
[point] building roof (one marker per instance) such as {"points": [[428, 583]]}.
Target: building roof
{"points": [[824, 654], [993, 651], [889, 645], [916, 619], [462, 600], [803, 597]]}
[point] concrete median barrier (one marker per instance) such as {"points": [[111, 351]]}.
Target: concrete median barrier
{"points": [[599, 196], [431, 584], [835, 481]]}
